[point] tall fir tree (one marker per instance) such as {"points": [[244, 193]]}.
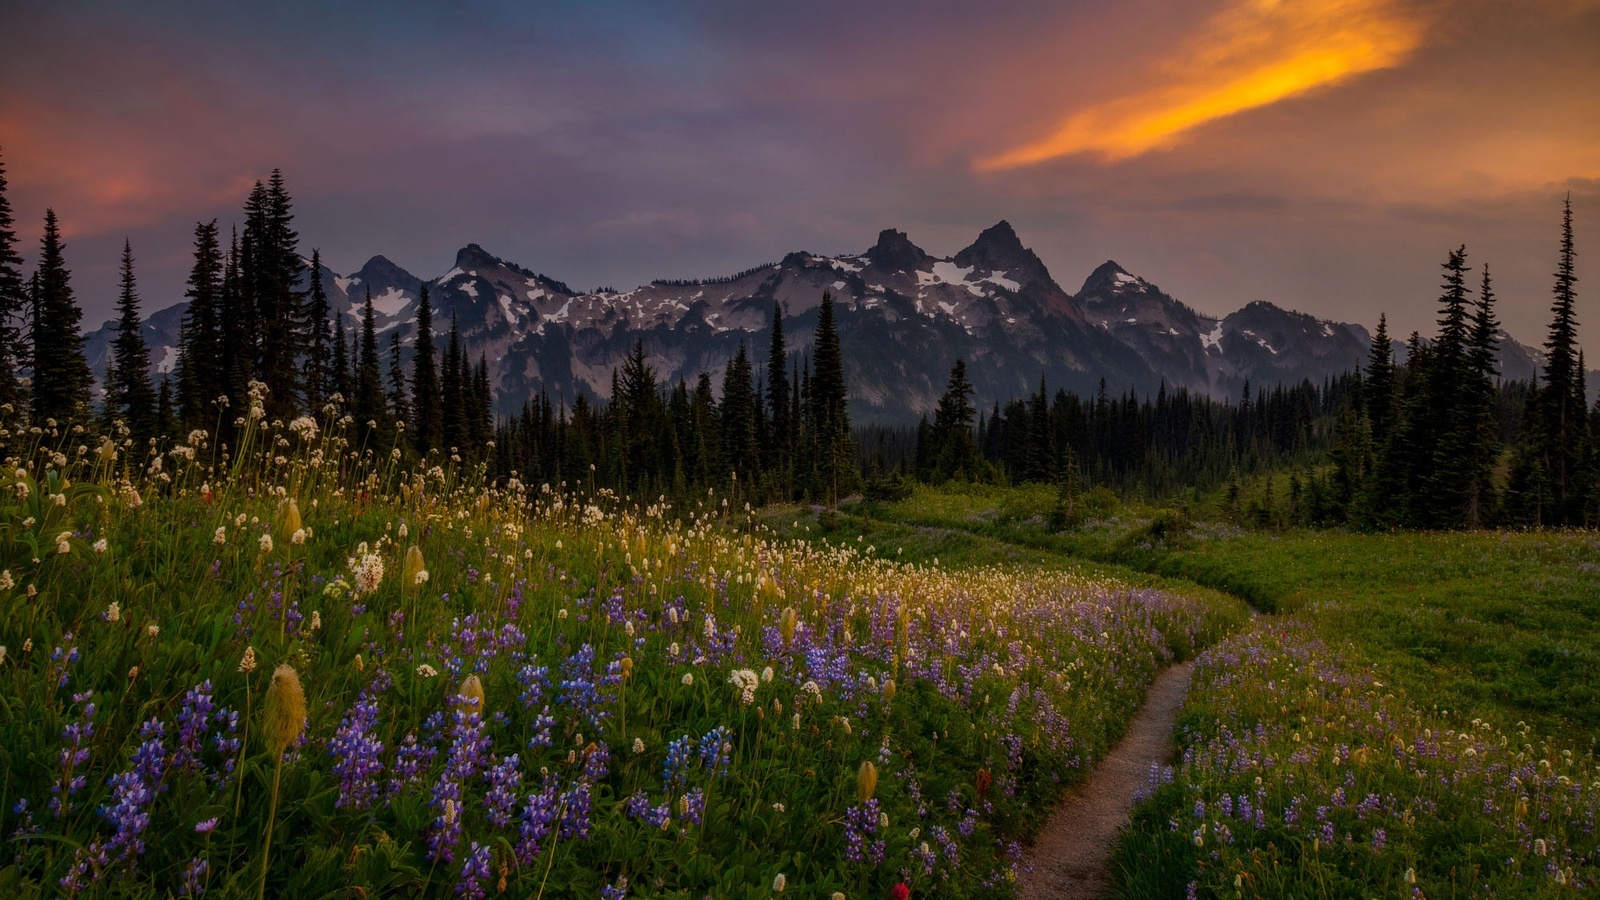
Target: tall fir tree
{"points": [[1561, 397], [740, 451], [955, 452], [370, 412], [236, 323], [425, 399], [61, 375], [128, 390], [399, 404], [1478, 398], [201, 379], [452, 431], [318, 361], [1446, 460], [13, 304], [779, 431], [343, 387], [1379, 388], [835, 454]]}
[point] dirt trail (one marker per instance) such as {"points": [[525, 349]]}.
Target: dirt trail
{"points": [[1070, 859]]}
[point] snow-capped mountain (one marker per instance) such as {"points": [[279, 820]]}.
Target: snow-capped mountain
{"points": [[904, 316]]}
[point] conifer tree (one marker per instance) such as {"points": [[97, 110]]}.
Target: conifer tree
{"points": [[779, 431], [399, 406], [318, 362], [236, 323], [200, 374], [369, 410], [1478, 398], [453, 422], [956, 452], [1562, 401], [1379, 389], [128, 390], [13, 303], [343, 388], [739, 448], [271, 276], [834, 454], [61, 376], [425, 399], [1448, 459]]}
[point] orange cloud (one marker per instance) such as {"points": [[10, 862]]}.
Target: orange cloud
{"points": [[1251, 54]]}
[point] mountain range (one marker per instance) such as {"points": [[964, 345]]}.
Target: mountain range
{"points": [[904, 317]]}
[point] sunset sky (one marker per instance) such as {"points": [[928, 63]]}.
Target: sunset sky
{"points": [[1323, 155]]}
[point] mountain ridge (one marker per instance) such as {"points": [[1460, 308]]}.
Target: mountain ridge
{"points": [[904, 316]]}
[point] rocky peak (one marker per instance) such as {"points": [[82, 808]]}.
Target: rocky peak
{"points": [[472, 257], [999, 249], [381, 274], [1104, 277], [894, 252]]}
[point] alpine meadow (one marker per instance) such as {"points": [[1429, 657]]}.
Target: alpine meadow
{"points": [[958, 561]]}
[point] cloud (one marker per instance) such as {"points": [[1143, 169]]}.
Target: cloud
{"points": [[1251, 54]]}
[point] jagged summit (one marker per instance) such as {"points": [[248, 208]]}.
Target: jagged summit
{"points": [[473, 256], [894, 252], [998, 248], [1107, 276]]}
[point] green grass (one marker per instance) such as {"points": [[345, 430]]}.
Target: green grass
{"points": [[1500, 625]]}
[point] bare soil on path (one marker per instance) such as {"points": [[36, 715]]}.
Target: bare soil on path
{"points": [[1071, 857]]}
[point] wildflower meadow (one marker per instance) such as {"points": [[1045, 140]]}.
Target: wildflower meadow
{"points": [[276, 664]]}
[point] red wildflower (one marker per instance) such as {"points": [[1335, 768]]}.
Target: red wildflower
{"points": [[901, 892]]}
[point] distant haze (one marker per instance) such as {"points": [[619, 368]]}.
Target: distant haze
{"points": [[1320, 155]]}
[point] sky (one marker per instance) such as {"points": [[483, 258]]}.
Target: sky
{"points": [[1324, 155]]}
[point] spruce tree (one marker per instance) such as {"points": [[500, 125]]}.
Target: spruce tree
{"points": [[343, 388], [1478, 398], [200, 375], [834, 454], [425, 399], [1447, 414], [452, 418], [61, 376], [128, 390], [236, 323], [955, 452], [1562, 401], [737, 409], [371, 416], [1379, 388], [399, 406], [779, 431], [318, 362], [13, 304]]}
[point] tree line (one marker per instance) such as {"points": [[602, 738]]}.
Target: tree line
{"points": [[1439, 441]]}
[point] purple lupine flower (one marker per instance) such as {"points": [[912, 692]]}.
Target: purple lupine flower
{"points": [[410, 761], [716, 750], [577, 804], [357, 754], [444, 832], [501, 801], [674, 772], [692, 806], [538, 816], [74, 753], [860, 834], [194, 720], [579, 689], [618, 891], [193, 882], [639, 808], [475, 870]]}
